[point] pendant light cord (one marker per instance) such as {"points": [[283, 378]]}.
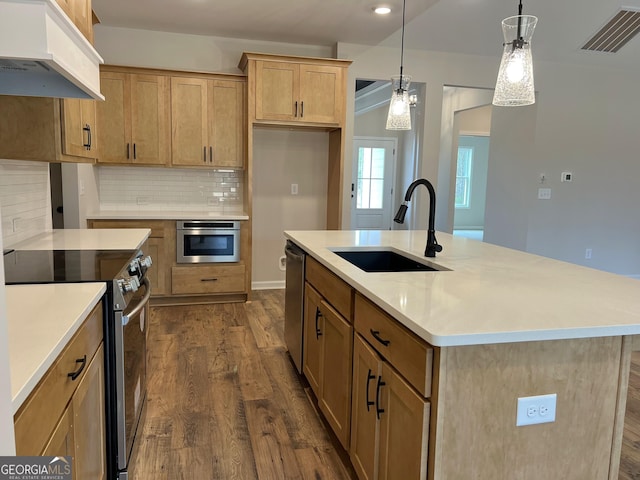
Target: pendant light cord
{"points": [[404, 3]]}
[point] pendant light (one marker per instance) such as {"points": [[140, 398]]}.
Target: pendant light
{"points": [[399, 117], [514, 86]]}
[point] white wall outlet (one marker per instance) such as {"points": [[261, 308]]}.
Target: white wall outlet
{"points": [[282, 263], [587, 253], [566, 177], [294, 189], [143, 200], [537, 409], [544, 193]]}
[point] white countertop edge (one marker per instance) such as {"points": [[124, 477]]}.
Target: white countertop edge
{"points": [[164, 215], [25, 390], [86, 239], [475, 338]]}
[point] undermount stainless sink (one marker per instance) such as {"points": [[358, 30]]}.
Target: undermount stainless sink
{"points": [[385, 261]]}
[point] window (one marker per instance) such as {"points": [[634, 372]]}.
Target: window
{"points": [[370, 177], [463, 177]]}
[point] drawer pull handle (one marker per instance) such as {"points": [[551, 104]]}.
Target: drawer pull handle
{"points": [[376, 335], [128, 150], [370, 376], [82, 361], [378, 409], [295, 114], [209, 279], [318, 315], [86, 128], [301, 109]]}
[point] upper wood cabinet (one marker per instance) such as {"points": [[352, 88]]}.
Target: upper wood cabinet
{"points": [[79, 12], [207, 122], [134, 118], [296, 89], [47, 129]]}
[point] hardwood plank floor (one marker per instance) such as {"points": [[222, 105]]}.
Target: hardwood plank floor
{"points": [[225, 402]]}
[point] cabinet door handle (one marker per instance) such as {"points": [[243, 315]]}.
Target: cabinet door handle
{"points": [[318, 315], [82, 361], [295, 113], [87, 128], [208, 279], [127, 151], [376, 335], [378, 409], [370, 376], [301, 109], [210, 153], [204, 150], [134, 152]]}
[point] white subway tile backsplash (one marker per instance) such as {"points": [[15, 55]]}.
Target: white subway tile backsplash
{"points": [[170, 189], [25, 200]]}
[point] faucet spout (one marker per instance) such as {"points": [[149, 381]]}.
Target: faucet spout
{"points": [[432, 243]]}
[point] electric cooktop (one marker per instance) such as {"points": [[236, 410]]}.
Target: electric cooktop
{"points": [[64, 266]]}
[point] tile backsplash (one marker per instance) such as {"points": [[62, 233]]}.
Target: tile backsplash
{"points": [[25, 200], [127, 188]]}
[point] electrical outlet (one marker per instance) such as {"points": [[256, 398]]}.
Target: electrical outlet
{"points": [[294, 189], [587, 254], [143, 200], [544, 193], [537, 409]]}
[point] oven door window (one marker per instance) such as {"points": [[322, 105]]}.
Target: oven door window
{"points": [[209, 245]]}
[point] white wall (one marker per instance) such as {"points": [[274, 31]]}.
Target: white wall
{"points": [[282, 157], [585, 121], [7, 441]]}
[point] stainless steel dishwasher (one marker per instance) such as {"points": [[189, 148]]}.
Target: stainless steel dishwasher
{"points": [[294, 302]]}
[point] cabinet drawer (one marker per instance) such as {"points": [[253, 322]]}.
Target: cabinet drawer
{"points": [[410, 355], [207, 279], [42, 410], [337, 292], [156, 226]]}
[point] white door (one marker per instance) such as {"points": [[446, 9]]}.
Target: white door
{"points": [[374, 163]]}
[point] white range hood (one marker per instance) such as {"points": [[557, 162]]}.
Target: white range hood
{"points": [[43, 54]]}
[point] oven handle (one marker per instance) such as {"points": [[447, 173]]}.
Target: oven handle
{"points": [[140, 306]]}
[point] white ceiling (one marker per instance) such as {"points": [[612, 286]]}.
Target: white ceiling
{"points": [[461, 26]]}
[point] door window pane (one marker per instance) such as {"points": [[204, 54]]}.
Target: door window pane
{"points": [[463, 177], [370, 183]]}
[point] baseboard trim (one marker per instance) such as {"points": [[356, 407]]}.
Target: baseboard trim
{"points": [[274, 285]]}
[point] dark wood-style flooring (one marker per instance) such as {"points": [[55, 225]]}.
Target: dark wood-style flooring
{"points": [[225, 402]]}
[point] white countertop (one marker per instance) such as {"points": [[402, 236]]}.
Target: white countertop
{"points": [[491, 295], [87, 239], [42, 319], [166, 215]]}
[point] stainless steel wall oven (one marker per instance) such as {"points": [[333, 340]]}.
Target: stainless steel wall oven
{"points": [[201, 241]]}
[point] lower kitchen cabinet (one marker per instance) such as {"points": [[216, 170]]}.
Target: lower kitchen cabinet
{"points": [[327, 361], [389, 421], [64, 415], [199, 279]]}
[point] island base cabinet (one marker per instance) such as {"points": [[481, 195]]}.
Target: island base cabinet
{"points": [[390, 421], [327, 361]]}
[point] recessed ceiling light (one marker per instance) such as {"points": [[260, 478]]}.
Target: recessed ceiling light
{"points": [[382, 10]]}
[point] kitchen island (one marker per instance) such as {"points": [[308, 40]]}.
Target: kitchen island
{"points": [[498, 325]]}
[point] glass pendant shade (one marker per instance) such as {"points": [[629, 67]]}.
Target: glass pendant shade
{"points": [[514, 86], [399, 117]]}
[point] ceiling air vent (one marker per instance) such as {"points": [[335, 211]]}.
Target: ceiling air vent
{"points": [[616, 33]]}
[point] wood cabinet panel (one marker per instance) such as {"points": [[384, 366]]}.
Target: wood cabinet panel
{"points": [[79, 128], [312, 348], [277, 90], [226, 125], [134, 119], [189, 129], [321, 94], [334, 289], [88, 422], [61, 442], [38, 416], [199, 279], [410, 355]]}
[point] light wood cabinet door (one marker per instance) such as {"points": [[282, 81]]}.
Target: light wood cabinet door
{"points": [[226, 123], [335, 389], [321, 94], [189, 122], [367, 367], [312, 345], [79, 128], [277, 90], [82, 18], [134, 119], [61, 442], [88, 422], [157, 273], [404, 429]]}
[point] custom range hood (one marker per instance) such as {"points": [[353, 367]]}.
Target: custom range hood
{"points": [[43, 54]]}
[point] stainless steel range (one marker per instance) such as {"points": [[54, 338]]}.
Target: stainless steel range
{"points": [[125, 306]]}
